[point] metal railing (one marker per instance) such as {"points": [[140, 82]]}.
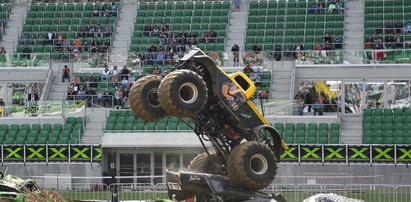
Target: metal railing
{"points": [[44, 109], [293, 193]]}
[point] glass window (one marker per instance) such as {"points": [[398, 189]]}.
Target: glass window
{"points": [[353, 97], [187, 157], [398, 93], [143, 167], [126, 167], [374, 94], [173, 161]]}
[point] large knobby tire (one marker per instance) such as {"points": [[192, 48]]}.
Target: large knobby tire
{"points": [[183, 93], [144, 99], [203, 163], [252, 165]]}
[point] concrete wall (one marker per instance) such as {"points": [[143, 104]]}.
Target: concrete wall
{"points": [[303, 119], [31, 120], [153, 139], [352, 72], [16, 74]]}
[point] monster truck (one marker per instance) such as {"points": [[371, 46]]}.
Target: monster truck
{"points": [[247, 148]]}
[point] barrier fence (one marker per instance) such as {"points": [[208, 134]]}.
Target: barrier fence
{"points": [[293, 193], [302, 154], [51, 154]]}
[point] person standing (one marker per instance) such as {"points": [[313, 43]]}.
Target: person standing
{"points": [[236, 5], [236, 54], [66, 74]]}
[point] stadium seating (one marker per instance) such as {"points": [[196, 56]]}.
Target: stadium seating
{"points": [[311, 133], [68, 133], [378, 14], [386, 126], [272, 23], [182, 16], [126, 121], [62, 18]]}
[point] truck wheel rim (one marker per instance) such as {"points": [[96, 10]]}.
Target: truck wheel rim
{"points": [[188, 93], [152, 98], [258, 164]]}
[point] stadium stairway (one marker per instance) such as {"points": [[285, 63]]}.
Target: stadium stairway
{"points": [[354, 25], [58, 90], [95, 122], [122, 39], [237, 27], [14, 26], [351, 129], [281, 79]]}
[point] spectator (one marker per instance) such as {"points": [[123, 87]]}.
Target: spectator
{"points": [[263, 94], [339, 6], [369, 42], [321, 7], [331, 8], [318, 108], [398, 41], [124, 82], [90, 96], [65, 55], [256, 48], [398, 27], [337, 42], [312, 9], [407, 27], [255, 78], [213, 36], [248, 69], [91, 31], [160, 58], [258, 72], [99, 97], [277, 53], [2, 50], [33, 96], [114, 81], [318, 47], [235, 49], [77, 43], [389, 40], [389, 28], [327, 46], [96, 12], [94, 45], [118, 96], [71, 94], [66, 44], [297, 50], [155, 70], [93, 81], [26, 52], [131, 79], [85, 46], [76, 53], [236, 5], [82, 31], [66, 74], [106, 73], [114, 71], [327, 37], [125, 72], [299, 99], [114, 8], [206, 35], [23, 38], [107, 30], [50, 37], [107, 98], [40, 40]]}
